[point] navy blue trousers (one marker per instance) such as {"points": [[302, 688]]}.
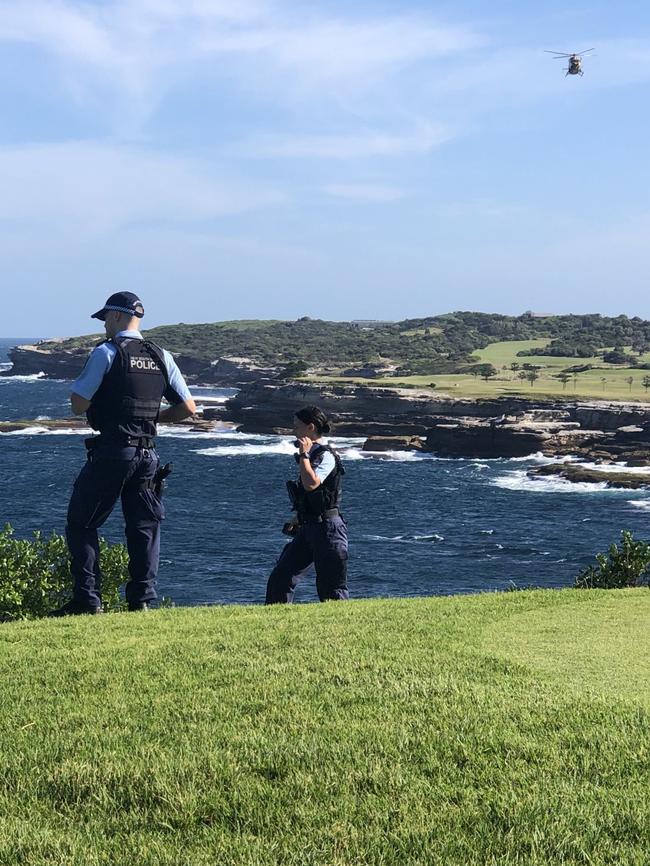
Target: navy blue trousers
{"points": [[325, 545], [113, 473]]}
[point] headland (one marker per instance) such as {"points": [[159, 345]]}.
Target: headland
{"points": [[457, 385]]}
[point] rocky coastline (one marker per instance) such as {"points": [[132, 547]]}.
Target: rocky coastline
{"points": [[392, 419], [65, 363]]}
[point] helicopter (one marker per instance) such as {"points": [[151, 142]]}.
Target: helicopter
{"points": [[574, 60]]}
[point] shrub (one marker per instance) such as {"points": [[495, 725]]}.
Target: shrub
{"points": [[627, 565], [35, 574]]}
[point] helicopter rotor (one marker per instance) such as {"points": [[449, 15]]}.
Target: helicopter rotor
{"points": [[559, 54]]}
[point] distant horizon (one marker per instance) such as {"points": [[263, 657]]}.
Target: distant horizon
{"points": [[91, 332]]}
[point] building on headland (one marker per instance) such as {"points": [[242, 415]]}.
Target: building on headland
{"points": [[369, 324], [530, 314]]}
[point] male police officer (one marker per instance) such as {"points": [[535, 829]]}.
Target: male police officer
{"points": [[120, 389]]}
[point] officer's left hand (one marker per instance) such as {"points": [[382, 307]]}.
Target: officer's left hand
{"points": [[305, 444]]}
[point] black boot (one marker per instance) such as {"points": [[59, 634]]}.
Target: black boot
{"points": [[75, 608]]}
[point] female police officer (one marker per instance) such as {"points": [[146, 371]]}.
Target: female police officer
{"points": [[319, 532]]}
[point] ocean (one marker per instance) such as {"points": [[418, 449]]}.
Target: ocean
{"points": [[418, 525]]}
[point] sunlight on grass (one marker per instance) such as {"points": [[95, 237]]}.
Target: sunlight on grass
{"points": [[412, 731], [606, 382]]}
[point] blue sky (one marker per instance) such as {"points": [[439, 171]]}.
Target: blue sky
{"points": [[273, 159]]}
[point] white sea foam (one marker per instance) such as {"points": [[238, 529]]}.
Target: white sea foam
{"points": [[399, 456], [538, 457], [174, 431], [642, 504], [256, 445], [340, 442], [35, 430], [485, 462], [407, 539], [615, 467], [250, 449], [35, 377], [517, 480], [351, 453], [218, 399]]}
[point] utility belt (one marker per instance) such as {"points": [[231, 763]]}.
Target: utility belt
{"points": [[318, 518], [120, 442], [158, 482], [298, 505]]}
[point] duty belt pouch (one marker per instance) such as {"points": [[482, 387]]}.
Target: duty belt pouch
{"points": [[160, 479], [292, 490], [91, 444], [290, 528]]}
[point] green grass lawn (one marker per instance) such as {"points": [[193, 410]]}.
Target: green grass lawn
{"points": [[494, 729], [589, 384]]}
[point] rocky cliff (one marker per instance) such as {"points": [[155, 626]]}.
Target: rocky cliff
{"points": [[60, 363], [394, 418], [358, 409]]}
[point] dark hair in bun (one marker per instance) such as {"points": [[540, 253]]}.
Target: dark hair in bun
{"points": [[314, 415]]}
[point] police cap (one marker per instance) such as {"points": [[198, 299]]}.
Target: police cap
{"points": [[122, 302]]}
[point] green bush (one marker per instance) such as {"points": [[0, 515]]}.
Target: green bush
{"points": [[627, 565], [35, 574]]}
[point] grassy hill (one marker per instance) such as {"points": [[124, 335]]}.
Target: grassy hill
{"points": [[493, 729], [602, 382], [445, 352]]}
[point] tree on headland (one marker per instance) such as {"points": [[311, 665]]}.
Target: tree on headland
{"points": [[485, 371], [630, 380], [564, 378], [646, 382], [532, 376], [488, 372], [603, 380], [514, 366]]}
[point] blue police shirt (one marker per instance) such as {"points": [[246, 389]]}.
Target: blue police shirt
{"points": [[326, 465], [101, 359]]}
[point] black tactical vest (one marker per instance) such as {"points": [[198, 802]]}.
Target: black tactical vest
{"points": [[127, 402], [328, 494]]}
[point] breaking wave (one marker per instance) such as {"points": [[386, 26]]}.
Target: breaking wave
{"points": [[434, 538], [642, 504], [249, 449], [399, 456], [265, 446], [35, 377], [35, 430], [518, 480]]}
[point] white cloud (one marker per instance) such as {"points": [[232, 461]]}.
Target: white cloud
{"points": [[368, 143], [130, 43], [482, 209], [371, 193], [351, 51], [57, 26], [91, 187]]}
